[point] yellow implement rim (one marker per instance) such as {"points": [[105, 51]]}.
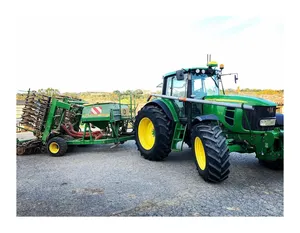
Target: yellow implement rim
{"points": [[146, 133], [53, 147], [200, 153]]}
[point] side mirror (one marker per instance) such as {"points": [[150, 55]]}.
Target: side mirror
{"points": [[235, 78], [180, 75]]}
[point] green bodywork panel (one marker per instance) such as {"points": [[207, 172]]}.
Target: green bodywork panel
{"points": [[101, 114], [63, 105], [171, 107], [267, 145], [238, 113], [250, 100]]}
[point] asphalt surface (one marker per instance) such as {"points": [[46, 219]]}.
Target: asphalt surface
{"points": [[100, 181]]}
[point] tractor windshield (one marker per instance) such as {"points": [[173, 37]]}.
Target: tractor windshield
{"points": [[203, 85]]}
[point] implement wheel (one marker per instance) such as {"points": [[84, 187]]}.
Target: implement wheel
{"points": [[211, 152], [153, 132], [70, 147], [57, 146]]}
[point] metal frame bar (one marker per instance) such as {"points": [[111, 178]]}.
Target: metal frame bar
{"points": [[51, 115], [100, 141], [184, 99]]}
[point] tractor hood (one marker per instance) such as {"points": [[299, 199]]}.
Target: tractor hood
{"points": [[250, 100]]}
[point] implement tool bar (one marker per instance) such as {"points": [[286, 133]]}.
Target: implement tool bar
{"points": [[183, 99]]}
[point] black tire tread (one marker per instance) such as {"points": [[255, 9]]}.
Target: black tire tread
{"points": [[163, 131], [68, 138], [216, 149]]}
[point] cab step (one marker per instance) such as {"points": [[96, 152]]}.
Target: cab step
{"points": [[178, 137]]}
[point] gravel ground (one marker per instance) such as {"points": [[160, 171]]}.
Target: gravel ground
{"points": [[100, 181]]}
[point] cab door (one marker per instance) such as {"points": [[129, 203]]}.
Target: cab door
{"points": [[177, 88]]}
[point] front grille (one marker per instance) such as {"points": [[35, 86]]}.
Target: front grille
{"points": [[254, 116], [229, 115]]}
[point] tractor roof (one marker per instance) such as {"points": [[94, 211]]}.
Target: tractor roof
{"points": [[186, 70]]}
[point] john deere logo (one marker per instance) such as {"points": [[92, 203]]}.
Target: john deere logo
{"points": [[270, 110]]}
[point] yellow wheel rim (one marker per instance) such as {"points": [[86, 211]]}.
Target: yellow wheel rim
{"points": [[53, 147], [200, 153], [146, 133]]}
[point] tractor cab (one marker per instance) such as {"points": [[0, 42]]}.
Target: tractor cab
{"points": [[203, 81], [195, 83]]}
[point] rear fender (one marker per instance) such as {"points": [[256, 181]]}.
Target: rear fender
{"points": [[167, 106]]}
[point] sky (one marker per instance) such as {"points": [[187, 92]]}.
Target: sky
{"points": [[77, 54]]}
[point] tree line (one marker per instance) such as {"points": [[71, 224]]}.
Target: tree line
{"points": [[139, 95]]}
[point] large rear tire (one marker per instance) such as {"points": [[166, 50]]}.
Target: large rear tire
{"points": [[211, 152], [153, 132]]}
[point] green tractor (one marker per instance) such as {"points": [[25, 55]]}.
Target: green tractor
{"points": [[194, 109]]}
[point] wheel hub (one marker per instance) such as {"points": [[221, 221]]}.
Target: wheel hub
{"points": [[146, 133], [200, 153]]}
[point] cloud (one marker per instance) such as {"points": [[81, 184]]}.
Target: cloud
{"points": [[212, 21], [240, 26], [105, 53]]}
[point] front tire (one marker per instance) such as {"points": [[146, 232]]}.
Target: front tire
{"points": [[274, 165], [57, 146], [279, 120], [153, 132], [211, 152]]}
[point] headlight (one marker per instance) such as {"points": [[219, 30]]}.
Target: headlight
{"points": [[267, 122]]}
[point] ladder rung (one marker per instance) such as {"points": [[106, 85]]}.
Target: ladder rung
{"points": [[177, 139]]}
